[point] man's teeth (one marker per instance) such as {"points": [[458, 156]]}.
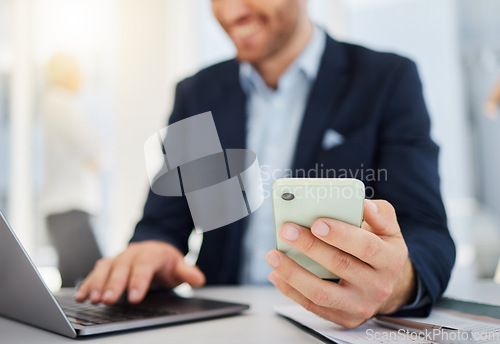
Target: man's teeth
{"points": [[245, 30]]}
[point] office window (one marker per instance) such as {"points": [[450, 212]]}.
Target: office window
{"points": [[5, 52], [80, 33]]}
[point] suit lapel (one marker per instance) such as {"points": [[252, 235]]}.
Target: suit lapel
{"points": [[322, 104]]}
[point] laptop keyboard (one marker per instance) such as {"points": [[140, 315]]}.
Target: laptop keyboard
{"points": [[86, 314]]}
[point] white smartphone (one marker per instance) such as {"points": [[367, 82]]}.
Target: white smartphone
{"points": [[303, 200]]}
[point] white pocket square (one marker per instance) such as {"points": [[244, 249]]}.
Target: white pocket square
{"points": [[331, 139]]}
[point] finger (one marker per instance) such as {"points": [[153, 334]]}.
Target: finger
{"points": [[332, 257], [140, 280], [334, 315], [321, 292], [380, 218], [117, 282], [189, 274], [362, 244], [83, 290], [97, 280]]}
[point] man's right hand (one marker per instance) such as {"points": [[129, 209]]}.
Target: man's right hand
{"points": [[135, 269]]}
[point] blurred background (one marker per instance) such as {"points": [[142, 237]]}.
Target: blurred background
{"points": [[123, 58]]}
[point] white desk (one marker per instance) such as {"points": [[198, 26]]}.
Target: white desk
{"points": [[479, 291], [257, 325]]}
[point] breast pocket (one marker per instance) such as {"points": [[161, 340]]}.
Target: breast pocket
{"points": [[356, 149]]}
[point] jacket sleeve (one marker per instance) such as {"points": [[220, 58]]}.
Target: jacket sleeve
{"points": [[410, 159], [167, 218]]}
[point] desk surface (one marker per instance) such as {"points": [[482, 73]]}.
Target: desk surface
{"points": [[257, 325]]}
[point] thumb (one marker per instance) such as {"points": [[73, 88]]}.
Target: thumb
{"points": [[379, 217], [189, 274]]}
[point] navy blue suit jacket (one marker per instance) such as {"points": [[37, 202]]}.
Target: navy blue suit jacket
{"points": [[375, 101]]}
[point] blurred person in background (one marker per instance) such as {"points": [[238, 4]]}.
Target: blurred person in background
{"points": [[493, 102], [71, 190]]}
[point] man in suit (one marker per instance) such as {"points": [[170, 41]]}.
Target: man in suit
{"points": [[307, 104]]}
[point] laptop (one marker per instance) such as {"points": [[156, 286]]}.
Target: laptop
{"points": [[25, 297]]}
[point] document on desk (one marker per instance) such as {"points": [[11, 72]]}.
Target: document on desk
{"points": [[369, 332], [465, 328], [442, 326]]}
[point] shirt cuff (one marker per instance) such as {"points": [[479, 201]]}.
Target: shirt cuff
{"points": [[422, 299]]}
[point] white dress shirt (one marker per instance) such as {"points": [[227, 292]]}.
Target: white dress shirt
{"points": [[273, 124]]}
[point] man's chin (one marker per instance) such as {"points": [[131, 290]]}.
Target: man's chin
{"points": [[255, 55], [248, 52], [250, 58]]}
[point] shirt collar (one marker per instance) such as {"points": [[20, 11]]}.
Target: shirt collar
{"points": [[307, 62]]}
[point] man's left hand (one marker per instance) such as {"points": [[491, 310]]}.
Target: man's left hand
{"points": [[372, 262]]}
